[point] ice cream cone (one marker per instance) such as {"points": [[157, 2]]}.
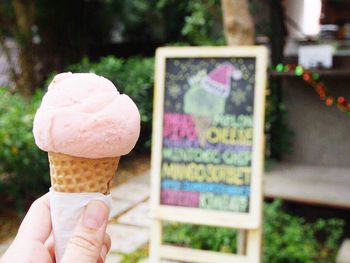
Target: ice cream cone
{"points": [[84, 118], [77, 175], [202, 125]]}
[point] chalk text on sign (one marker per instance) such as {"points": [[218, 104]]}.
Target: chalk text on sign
{"points": [[178, 127], [228, 120], [223, 202], [183, 198], [230, 135], [207, 173], [199, 155]]}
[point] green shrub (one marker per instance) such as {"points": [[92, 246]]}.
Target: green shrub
{"points": [[133, 76], [287, 238], [290, 238], [278, 134], [23, 167], [200, 237], [203, 23]]}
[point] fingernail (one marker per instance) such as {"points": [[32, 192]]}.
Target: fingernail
{"points": [[95, 215], [104, 252]]}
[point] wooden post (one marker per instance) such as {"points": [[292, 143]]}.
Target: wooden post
{"points": [[239, 30], [24, 11], [238, 23], [241, 241], [156, 240], [254, 246]]}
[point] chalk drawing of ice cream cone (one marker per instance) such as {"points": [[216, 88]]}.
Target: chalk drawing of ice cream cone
{"points": [[207, 95], [202, 125]]}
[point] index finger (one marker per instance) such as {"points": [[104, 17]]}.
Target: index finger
{"points": [[36, 224]]}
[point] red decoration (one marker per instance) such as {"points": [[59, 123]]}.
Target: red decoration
{"points": [[329, 101], [313, 79], [306, 76], [341, 100]]}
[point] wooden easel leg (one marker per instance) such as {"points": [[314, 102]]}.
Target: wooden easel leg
{"points": [[241, 241], [254, 245], [155, 241]]}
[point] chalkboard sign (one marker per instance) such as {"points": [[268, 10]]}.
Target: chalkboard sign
{"points": [[207, 153]]}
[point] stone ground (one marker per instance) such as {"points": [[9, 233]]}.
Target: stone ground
{"points": [[130, 222], [5, 245], [310, 184], [129, 226]]}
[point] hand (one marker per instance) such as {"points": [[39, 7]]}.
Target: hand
{"points": [[89, 243], [34, 242]]}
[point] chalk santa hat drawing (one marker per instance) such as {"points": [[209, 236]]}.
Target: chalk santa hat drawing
{"points": [[218, 81], [206, 96], [208, 92]]}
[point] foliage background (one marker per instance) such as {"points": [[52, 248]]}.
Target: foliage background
{"points": [[23, 167], [286, 238]]}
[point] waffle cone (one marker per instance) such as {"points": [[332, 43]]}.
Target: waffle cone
{"points": [[76, 174], [202, 124]]}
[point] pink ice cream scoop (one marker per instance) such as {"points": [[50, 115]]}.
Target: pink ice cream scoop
{"points": [[84, 115]]}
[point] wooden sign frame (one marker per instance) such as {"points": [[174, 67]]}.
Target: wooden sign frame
{"points": [[251, 220]]}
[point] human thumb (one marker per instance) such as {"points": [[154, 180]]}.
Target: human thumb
{"points": [[86, 243]]}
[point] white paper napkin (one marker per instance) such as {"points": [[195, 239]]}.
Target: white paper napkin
{"points": [[66, 209]]}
